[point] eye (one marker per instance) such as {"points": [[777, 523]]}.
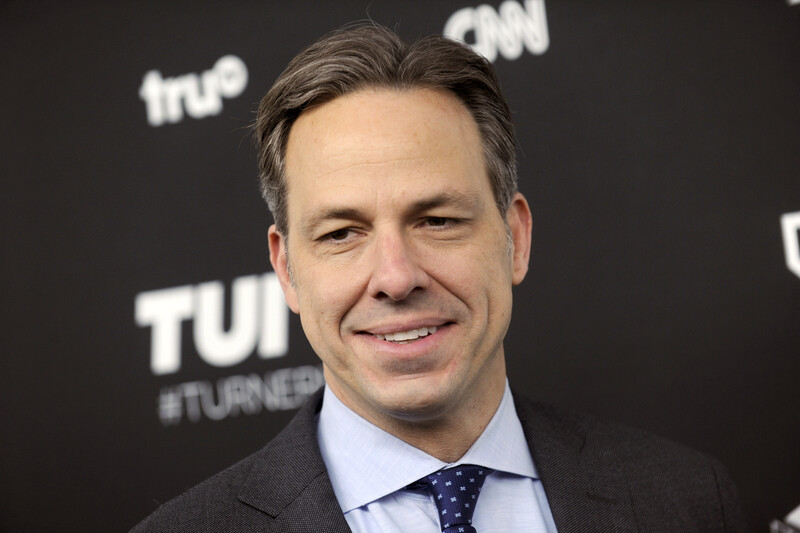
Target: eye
{"points": [[437, 221], [440, 223], [338, 235]]}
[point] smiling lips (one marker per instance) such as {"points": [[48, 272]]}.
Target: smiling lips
{"points": [[404, 337]]}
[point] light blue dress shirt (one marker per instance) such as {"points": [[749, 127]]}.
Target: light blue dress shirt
{"points": [[369, 470]]}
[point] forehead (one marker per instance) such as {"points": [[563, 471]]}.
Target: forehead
{"points": [[384, 139]]}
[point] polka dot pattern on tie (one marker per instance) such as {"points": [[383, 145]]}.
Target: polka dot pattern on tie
{"points": [[455, 491]]}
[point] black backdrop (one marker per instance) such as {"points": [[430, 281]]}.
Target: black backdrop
{"points": [[660, 149]]}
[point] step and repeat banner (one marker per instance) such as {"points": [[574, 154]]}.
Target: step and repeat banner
{"points": [[146, 341]]}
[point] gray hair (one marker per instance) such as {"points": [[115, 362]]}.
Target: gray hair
{"points": [[371, 56]]}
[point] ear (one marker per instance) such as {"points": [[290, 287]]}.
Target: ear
{"points": [[280, 264], [520, 221]]}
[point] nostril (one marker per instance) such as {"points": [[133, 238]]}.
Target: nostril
{"points": [[396, 272]]}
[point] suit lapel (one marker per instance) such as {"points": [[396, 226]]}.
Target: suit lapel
{"points": [[289, 482], [584, 493]]}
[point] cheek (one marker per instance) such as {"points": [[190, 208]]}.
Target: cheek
{"points": [[485, 282], [473, 272], [326, 295]]}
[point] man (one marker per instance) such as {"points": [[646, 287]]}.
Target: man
{"points": [[398, 236]]}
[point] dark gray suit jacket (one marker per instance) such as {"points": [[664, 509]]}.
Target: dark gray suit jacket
{"points": [[598, 477]]}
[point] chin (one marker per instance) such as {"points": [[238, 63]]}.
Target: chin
{"points": [[416, 406]]}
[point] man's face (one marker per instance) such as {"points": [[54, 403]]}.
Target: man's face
{"points": [[399, 257]]}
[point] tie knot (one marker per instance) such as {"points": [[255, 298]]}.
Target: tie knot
{"points": [[455, 491]]}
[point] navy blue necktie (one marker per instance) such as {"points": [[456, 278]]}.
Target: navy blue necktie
{"points": [[455, 491]]}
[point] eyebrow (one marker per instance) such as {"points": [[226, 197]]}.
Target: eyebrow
{"points": [[447, 198], [332, 213]]}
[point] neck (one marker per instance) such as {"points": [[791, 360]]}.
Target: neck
{"points": [[447, 426], [446, 434], [450, 437]]}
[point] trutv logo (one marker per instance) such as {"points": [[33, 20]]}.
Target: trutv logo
{"points": [[509, 30], [259, 321], [200, 95]]}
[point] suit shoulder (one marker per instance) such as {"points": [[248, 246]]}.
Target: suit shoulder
{"points": [[659, 470], [252, 489], [195, 509], [607, 440], [661, 476]]}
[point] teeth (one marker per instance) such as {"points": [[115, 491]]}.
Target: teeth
{"points": [[402, 337], [405, 335]]}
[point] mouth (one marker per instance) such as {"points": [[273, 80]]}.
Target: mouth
{"points": [[406, 337]]}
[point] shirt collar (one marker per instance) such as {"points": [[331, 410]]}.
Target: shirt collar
{"points": [[366, 463]]}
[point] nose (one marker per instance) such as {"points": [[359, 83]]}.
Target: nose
{"points": [[396, 271]]}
